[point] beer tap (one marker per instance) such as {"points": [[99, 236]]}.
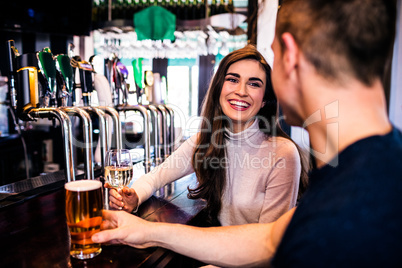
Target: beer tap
{"points": [[157, 117], [26, 101], [167, 117], [48, 66], [12, 54], [146, 133], [102, 86], [85, 72], [171, 140], [48, 69], [86, 125], [64, 64], [67, 135], [87, 133], [168, 130], [157, 135], [70, 53], [165, 130], [116, 122], [103, 127], [27, 90], [110, 74], [171, 129], [62, 93], [167, 150], [119, 76], [166, 121], [157, 124], [65, 75]]}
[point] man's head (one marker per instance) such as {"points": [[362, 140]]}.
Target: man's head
{"points": [[340, 39], [352, 37]]}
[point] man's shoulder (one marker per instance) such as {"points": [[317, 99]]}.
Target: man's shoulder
{"points": [[393, 139], [383, 153]]}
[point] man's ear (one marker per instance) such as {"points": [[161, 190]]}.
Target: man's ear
{"points": [[290, 52]]}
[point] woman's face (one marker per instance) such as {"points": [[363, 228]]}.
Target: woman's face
{"points": [[242, 93]]}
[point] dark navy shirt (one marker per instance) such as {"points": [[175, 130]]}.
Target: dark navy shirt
{"points": [[351, 214]]}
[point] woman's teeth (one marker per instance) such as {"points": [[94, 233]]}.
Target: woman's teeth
{"points": [[239, 103]]}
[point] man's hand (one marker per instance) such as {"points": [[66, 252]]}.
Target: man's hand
{"points": [[119, 227]]}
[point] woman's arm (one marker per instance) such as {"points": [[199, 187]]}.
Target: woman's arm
{"points": [[176, 166], [283, 183], [241, 245]]}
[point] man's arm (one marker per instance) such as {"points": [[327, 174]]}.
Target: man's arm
{"points": [[242, 245]]}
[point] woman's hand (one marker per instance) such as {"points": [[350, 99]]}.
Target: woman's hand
{"points": [[125, 199]]}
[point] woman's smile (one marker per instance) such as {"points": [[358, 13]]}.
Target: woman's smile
{"points": [[242, 93], [239, 105]]}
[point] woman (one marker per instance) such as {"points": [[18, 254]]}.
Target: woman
{"points": [[247, 169]]}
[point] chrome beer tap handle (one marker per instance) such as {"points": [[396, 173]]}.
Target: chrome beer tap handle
{"points": [[87, 133], [146, 134], [156, 120], [171, 129], [67, 135], [103, 127], [165, 131], [117, 124]]}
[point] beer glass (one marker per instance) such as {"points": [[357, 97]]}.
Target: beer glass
{"points": [[84, 204], [118, 168]]}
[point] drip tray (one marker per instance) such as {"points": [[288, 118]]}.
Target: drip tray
{"points": [[32, 183], [20, 191]]}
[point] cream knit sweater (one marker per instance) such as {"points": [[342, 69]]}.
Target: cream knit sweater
{"points": [[262, 177]]}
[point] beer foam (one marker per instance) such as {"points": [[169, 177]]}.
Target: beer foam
{"points": [[83, 185]]}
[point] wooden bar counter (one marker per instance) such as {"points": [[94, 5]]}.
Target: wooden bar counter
{"points": [[34, 233]]}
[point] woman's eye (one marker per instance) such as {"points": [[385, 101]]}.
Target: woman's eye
{"points": [[255, 84], [231, 79]]}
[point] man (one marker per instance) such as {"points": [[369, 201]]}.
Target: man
{"points": [[327, 73]]}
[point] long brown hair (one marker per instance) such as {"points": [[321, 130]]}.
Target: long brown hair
{"points": [[211, 139]]}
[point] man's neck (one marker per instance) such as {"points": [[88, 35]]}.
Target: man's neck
{"points": [[345, 116]]}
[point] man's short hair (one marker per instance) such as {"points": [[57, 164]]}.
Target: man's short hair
{"points": [[342, 37]]}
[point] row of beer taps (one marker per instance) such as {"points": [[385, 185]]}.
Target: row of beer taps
{"points": [[160, 116], [43, 85]]}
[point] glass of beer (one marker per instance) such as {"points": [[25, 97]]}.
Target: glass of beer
{"points": [[118, 168], [84, 204]]}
